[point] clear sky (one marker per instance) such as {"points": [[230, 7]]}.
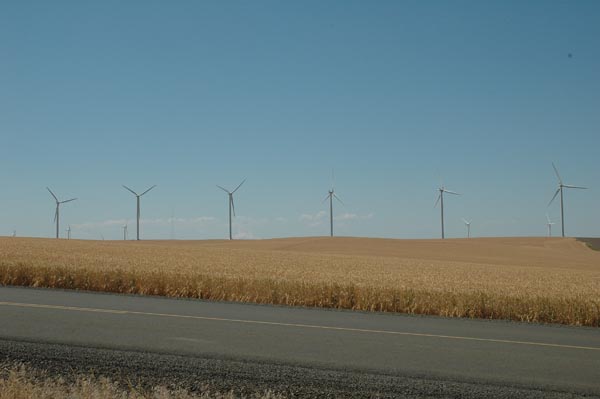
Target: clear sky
{"points": [[396, 96]]}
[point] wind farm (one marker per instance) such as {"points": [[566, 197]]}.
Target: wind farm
{"points": [[330, 198]]}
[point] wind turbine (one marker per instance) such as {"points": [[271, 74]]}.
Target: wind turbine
{"points": [[124, 231], [440, 199], [138, 206], [550, 223], [468, 224], [331, 195], [56, 214], [231, 204], [560, 190], [69, 232], [14, 233]]}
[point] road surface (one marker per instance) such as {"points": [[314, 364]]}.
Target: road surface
{"points": [[477, 352]]}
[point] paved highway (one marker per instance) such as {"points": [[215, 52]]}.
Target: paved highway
{"points": [[547, 358]]}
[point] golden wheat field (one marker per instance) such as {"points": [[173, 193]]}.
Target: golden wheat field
{"points": [[551, 280]]}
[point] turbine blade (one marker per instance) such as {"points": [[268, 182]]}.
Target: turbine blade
{"points": [[548, 218], [326, 198], [557, 174], [128, 189], [332, 180], [232, 204], [52, 194], [438, 199], [69, 200], [56, 214], [338, 198], [555, 194], [450, 192], [147, 190], [464, 221], [581, 188], [243, 181], [227, 191]]}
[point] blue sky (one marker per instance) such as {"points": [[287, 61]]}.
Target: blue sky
{"points": [[395, 96]]}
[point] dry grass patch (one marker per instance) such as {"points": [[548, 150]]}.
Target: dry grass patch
{"points": [[526, 279], [18, 381]]}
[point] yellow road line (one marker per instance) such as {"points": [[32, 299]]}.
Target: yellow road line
{"points": [[274, 323]]}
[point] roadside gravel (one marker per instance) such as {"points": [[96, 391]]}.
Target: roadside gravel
{"points": [[245, 377]]}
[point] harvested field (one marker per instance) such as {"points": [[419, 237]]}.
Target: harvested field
{"points": [[551, 280]]}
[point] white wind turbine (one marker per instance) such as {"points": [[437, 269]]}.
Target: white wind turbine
{"points": [[138, 207], [550, 223], [231, 204], [124, 231], [560, 190], [69, 232], [468, 225], [440, 199], [331, 195], [56, 213]]}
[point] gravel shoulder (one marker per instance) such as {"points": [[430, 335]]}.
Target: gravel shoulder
{"points": [[245, 377]]}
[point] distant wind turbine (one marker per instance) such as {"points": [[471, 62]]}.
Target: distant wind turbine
{"points": [[440, 199], [468, 224], [550, 223], [124, 232], [231, 204], [69, 232], [330, 196], [560, 190], [56, 213], [14, 233], [138, 207]]}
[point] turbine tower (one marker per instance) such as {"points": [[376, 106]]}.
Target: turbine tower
{"points": [[231, 204], [560, 190], [124, 232], [550, 223], [468, 224], [56, 213], [138, 207], [440, 199]]}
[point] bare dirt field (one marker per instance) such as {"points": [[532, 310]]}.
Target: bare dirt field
{"points": [[528, 279]]}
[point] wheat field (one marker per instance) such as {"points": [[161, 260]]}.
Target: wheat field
{"points": [[551, 280]]}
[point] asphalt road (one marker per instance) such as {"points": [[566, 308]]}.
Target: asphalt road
{"points": [[484, 353]]}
